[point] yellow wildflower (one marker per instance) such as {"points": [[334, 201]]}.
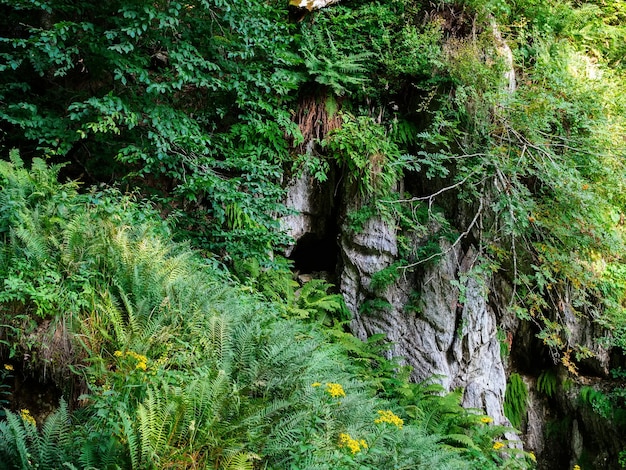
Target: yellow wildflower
{"points": [[335, 390], [486, 420], [26, 416], [388, 416], [8, 367], [576, 467], [498, 445], [142, 361], [532, 456], [137, 357], [316, 384], [345, 440]]}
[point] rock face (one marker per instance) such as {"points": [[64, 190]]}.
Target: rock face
{"points": [[453, 333], [302, 199], [450, 332], [312, 204]]}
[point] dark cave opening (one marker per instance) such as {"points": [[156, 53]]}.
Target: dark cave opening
{"points": [[314, 253]]}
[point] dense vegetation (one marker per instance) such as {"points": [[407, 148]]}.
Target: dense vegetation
{"points": [[175, 365], [203, 109]]}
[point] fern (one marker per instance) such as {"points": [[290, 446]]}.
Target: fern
{"points": [[515, 400], [55, 443], [217, 339], [47, 449], [132, 439], [547, 383], [461, 440], [17, 437], [240, 461], [599, 402], [156, 420], [330, 66], [313, 298]]}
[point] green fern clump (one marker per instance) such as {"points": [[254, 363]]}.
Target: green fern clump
{"points": [[547, 383], [369, 157], [338, 72], [24, 446], [515, 400], [597, 400]]}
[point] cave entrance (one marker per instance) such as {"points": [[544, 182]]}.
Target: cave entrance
{"points": [[315, 253]]}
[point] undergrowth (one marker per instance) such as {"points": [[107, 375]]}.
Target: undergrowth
{"points": [[182, 366]]}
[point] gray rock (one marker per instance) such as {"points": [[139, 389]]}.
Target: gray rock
{"points": [[312, 204], [454, 337]]}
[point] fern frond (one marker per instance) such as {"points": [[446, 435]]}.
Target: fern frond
{"points": [[461, 440], [217, 341], [34, 239], [132, 438], [17, 437], [240, 461], [156, 416], [54, 443], [207, 397], [547, 383], [333, 67]]}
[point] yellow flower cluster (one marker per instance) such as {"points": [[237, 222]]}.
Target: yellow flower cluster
{"points": [[498, 445], [26, 416], [388, 416], [576, 467], [8, 367], [335, 390], [345, 440], [486, 420], [142, 361]]}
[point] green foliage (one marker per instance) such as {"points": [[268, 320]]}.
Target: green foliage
{"points": [[5, 386], [358, 218], [312, 301], [320, 306], [547, 383], [371, 161], [377, 44], [372, 306], [23, 446], [414, 304], [415, 51], [192, 104], [622, 458], [184, 367], [598, 401], [184, 99], [515, 400], [385, 277], [330, 67]]}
